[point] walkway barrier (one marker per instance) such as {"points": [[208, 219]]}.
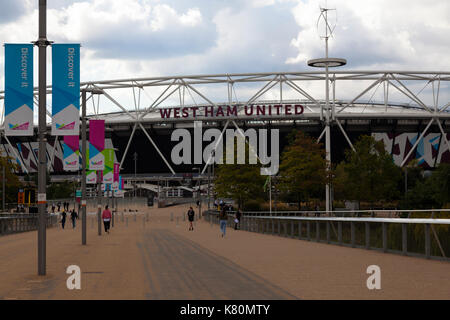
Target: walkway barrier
{"points": [[422, 237], [16, 223]]}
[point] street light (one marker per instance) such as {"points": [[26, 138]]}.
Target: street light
{"points": [[199, 199], [135, 156], [83, 156]]}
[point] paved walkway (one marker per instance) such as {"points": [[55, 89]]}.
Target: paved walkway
{"points": [[160, 259]]}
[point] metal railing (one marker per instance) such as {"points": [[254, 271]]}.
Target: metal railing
{"points": [[406, 236], [16, 223]]}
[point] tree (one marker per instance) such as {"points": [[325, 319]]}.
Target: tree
{"points": [[12, 181], [240, 182], [303, 168], [368, 173], [61, 190], [433, 191]]}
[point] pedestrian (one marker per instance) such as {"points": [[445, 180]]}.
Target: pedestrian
{"points": [[73, 216], [63, 219], [106, 216], [53, 207], [59, 205], [191, 215], [237, 220], [223, 220]]}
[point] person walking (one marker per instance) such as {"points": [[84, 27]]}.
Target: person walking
{"points": [[106, 216], [53, 207], [59, 206], [223, 220], [191, 215], [73, 216], [237, 220], [63, 219]]}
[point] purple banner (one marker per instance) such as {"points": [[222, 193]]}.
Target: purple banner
{"points": [[96, 144]]}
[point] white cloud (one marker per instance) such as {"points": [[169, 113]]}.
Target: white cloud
{"points": [[144, 38], [378, 33]]}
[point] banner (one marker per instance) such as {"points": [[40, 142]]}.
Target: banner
{"points": [[18, 90], [115, 185], [91, 177], [65, 89], [96, 144], [108, 172], [71, 161]]}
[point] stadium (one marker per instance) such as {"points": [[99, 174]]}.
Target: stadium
{"points": [[385, 104]]}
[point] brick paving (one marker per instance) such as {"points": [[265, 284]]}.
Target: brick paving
{"points": [[162, 259]]}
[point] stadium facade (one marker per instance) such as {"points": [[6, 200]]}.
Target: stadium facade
{"points": [[410, 130]]}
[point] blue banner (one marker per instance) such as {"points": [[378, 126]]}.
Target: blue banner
{"points": [[18, 90], [65, 89]]}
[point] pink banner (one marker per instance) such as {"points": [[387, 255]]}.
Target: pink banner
{"points": [[96, 144], [73, 142], [97, 134], [116, 172]]}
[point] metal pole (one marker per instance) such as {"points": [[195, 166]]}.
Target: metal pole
{"points": [[99, 204], [270, 194], [135, 176], [83, 170], [3, 187], [209, 187], [42, 167]]}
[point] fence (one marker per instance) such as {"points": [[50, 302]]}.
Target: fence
{"points": [[406, 236], [15, 223]]}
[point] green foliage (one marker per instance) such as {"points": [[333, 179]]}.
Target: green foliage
{"points": [[369, 174], [431, 192], [253, 205], [240, 182], [61, 190], [303, 169], [12, 182]]}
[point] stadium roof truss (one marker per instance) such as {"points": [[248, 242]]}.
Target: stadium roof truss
{"points": [[257, 85]]}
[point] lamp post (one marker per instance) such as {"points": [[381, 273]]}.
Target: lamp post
{"points": [[42, 44], [199, 199], [327, 63], [84, 160], [135, 156]]}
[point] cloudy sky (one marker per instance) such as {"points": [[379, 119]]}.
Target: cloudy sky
{"points": [[144, 38]]}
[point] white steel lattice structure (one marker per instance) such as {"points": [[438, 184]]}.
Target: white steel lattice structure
{"points": [[284, 88]]}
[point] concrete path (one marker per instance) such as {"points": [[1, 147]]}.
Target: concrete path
{"points": [[161, 259]]}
